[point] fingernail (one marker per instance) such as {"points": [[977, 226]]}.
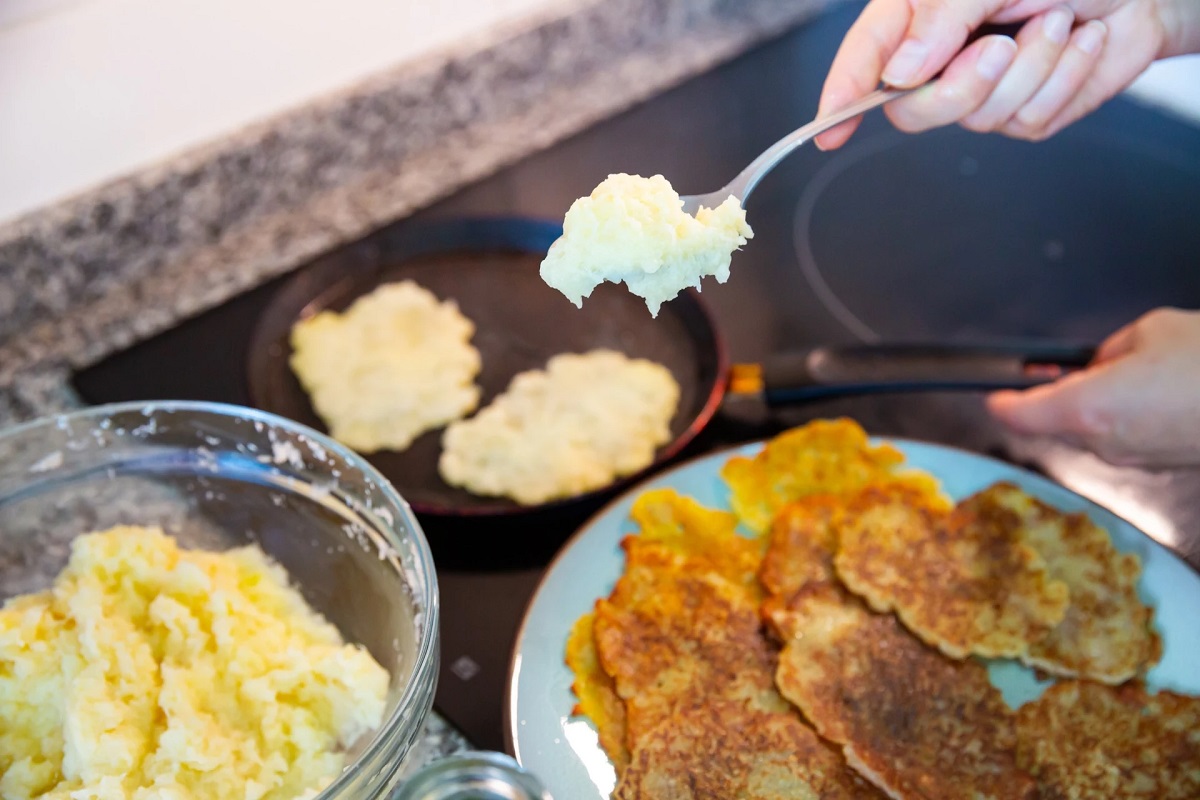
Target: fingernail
{"points": [[1057, 25], [1091, 37], [1032, 115], [1000, 397], [996, 57], [905, 63]]}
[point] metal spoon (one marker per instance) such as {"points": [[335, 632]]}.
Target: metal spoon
{"points": [[741, 186]]}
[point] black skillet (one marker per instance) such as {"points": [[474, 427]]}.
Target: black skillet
{"points": [[490, 268]]}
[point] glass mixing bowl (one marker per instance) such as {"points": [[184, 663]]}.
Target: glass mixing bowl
{"points": [[217, 476]]}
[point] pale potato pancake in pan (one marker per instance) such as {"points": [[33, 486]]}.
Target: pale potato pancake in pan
{"points": [[1106, 634], [573, 427], [913, 722], [964, 582], [396, 363], [822, 457], [1087, 740]]}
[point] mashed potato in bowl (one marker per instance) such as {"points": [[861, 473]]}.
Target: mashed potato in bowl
{"points": [[149, 671]]}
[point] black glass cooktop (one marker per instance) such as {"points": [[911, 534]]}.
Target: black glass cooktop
{"points": [[948, 236]]}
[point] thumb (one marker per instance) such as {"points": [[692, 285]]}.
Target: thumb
{"points": [[1061, 408]]}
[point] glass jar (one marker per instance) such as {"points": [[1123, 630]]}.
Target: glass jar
{"points": [[473, 776]]}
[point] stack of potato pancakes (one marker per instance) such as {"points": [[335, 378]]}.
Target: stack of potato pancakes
{"points": [[831, 638]]}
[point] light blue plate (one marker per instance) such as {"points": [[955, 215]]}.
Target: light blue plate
{"points": [[563, 750]]}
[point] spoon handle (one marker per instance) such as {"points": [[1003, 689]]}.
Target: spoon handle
{"points": [[744, 183], [741, 186]]}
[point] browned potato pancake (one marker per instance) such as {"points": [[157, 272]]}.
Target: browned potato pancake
{"points": [[1004, 575], [964, 582], [718, 750], [684, 613], [666, 635], [913, 722], [693, 699], [822, 457], [1088, 740], [1107, 632], [597, 695], [681, 629], [704, 536]]}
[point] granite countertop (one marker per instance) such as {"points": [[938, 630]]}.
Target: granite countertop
{"points": [[92, 275]]}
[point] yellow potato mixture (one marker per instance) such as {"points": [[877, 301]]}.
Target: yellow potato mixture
{"points": [[578, 425], [396, 363], [634, 230], [148, 671]]}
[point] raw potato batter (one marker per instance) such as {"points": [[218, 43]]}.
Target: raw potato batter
{"points": [[396, 363], [634, 229], [148, 671], [573, 427]]}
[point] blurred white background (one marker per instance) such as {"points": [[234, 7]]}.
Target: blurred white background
{"points": [[93, 89]]}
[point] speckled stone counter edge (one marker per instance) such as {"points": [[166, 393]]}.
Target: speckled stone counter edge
{"points": [[93, 275]]}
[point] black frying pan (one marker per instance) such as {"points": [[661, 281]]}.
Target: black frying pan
{"points": [[490, 268]]}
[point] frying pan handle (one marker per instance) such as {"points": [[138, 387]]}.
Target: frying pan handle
{"points": [[869, 368]]}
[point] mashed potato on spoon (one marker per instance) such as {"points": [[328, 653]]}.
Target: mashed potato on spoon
{"points": [[634, 230]]}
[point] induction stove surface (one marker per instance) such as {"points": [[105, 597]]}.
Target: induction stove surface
{"points": [[948, 236]]}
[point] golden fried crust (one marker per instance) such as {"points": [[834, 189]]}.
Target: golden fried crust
{"points": [[1086, 740], [803, 540], [916, 724], [667, 635], [706, 538], [718, 750], [597, 695], [681, 637], [823, 457], [683, 617], [800, 548], [1107, 632], [964, 582]]}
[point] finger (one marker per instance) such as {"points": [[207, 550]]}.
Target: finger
{"points": [[1017, 10], [1040, 45], [838, 135], [1076, 64], [1114, 74], [1116, 344], [857, 67], [938, 31], [963, 87], [1075, 406]]}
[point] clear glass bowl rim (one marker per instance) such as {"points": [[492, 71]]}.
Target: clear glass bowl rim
{"points": [[399, 726]]}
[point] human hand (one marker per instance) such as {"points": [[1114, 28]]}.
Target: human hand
{"points": [[1137, 404], [1068, 58]]}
